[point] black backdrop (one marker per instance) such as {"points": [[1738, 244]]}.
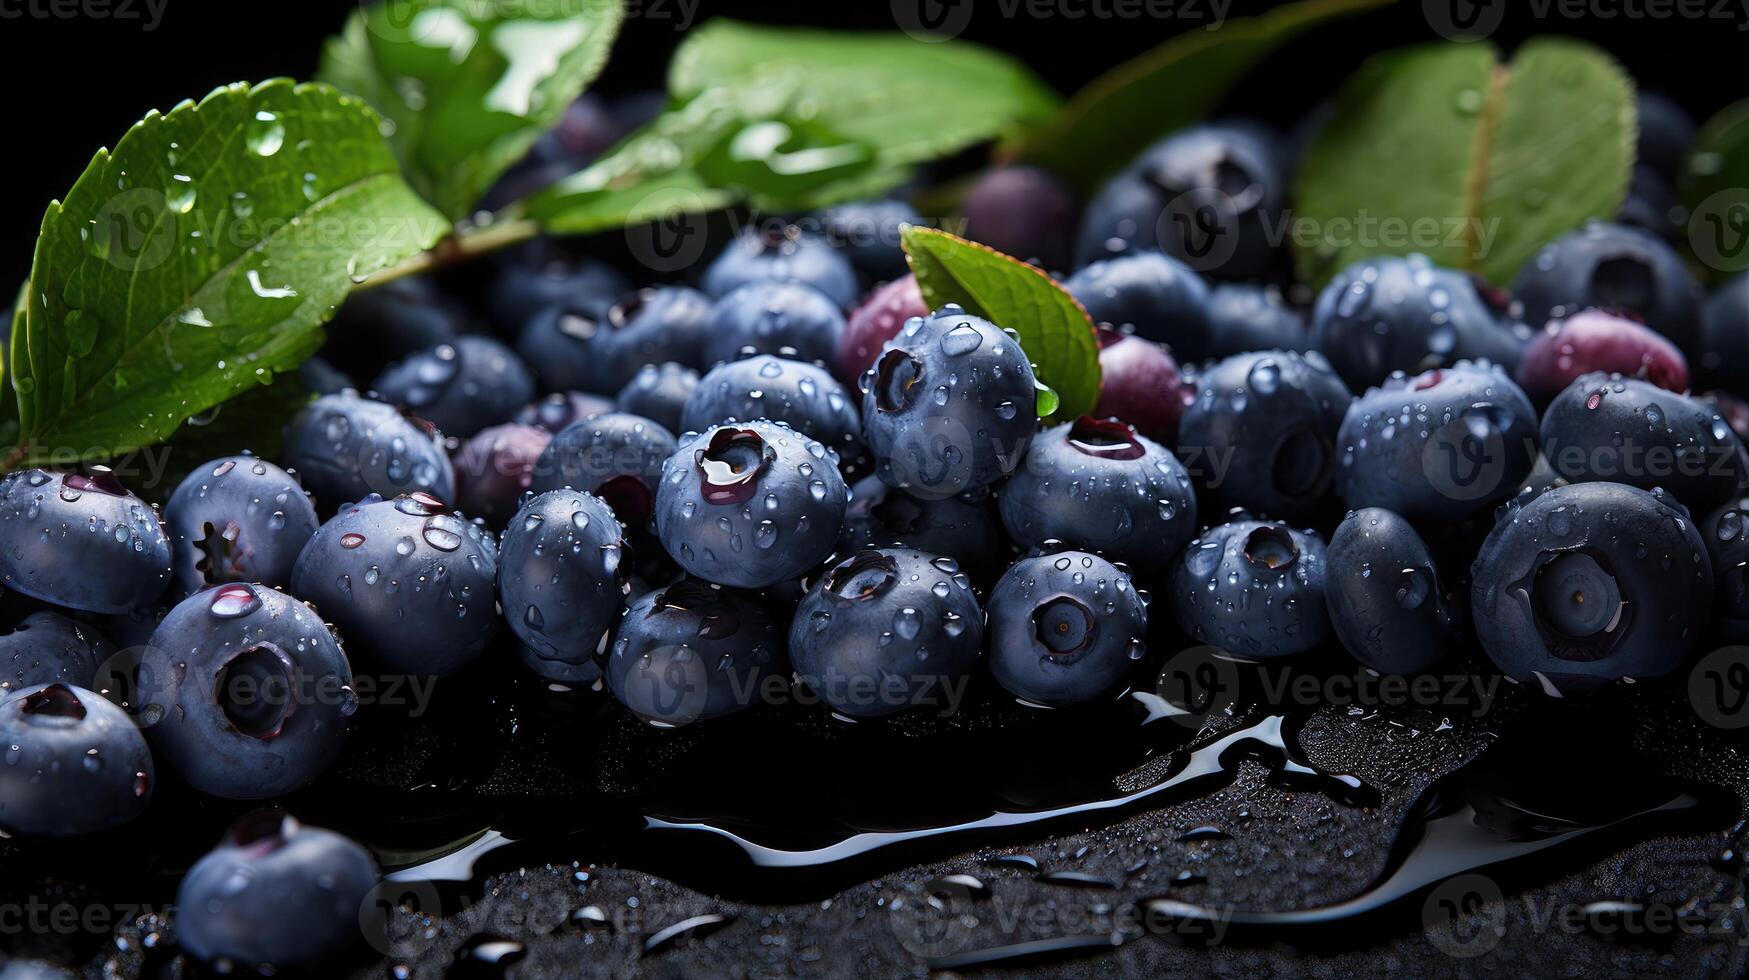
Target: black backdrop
{"points": [[77, 82]]}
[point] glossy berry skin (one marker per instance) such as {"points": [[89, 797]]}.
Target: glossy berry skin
{"points": [[495, 468], [237, 519], [599, 347], [1140, 383], [750, 504], [540, 279], [1624, 430], [80, 540], [1064, 627], [1728, 545], [274, 893], [949, 406], [562, 577], [965, 528], [867, 232], [1253, 588], [245, 692], [1150, 294], [615, 456], [1261, 431], [1384, 315], [408, 581], [376, 327], [1666, 131], [1613, 267], [462, 386], [658, 392], [1384, 595], [345, 447], [1207, 194], [772, 317], [875, 322], [560, 409], [1244, 317], [75, 763], [1023, 212], [1592, 340], [1439, 446], [1097, 485], [885, 630], [691, 652], [1591, 583], [783, 253], [48, 648], [1725, 362], [803, 396]]}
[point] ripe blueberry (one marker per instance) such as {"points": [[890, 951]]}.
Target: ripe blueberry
{"points": [[80, 540], [562, 579], [614, 456], [803, 396], [346, 447], [1613, 267], [783, 253], [691, 652], [1252, 588], [658, 392], [75, 764], [1384, 594], [461, 387], [1157, 297], [237, 519], [772, 316], [1064, 627]]}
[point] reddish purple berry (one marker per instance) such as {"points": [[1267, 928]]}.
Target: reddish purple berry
{"points": [[1593, 340], [494, 468], [874, 323], [1140, 383]]}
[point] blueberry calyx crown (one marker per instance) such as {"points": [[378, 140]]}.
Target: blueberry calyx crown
{"points": [[897, 374], [1271, 546], [1104, 438], [1577, 604], [863, 576], [54, 701], [219, 554], [1063, 625], [730, 465], [97, 479], [717, 619]]}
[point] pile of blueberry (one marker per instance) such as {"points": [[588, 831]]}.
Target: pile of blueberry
{"points": [[792, 474]]}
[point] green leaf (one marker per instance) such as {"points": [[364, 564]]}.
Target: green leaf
{"points": [[1439, 149], [1714, 187], [199, 259], [468, 87], [1177, 83], [794, 119], [1055, 331]]}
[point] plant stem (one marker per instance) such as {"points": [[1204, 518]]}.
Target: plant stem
{"points": [[456, 249]]}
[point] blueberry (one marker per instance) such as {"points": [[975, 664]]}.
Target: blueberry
{"points": [[345, 447], [1604, 427], [274, 894], [1613, 267], [1023, 212], [599, 347], [1652, 204], [1390, 314], [322, 378], [771, 317], [560, 409], [1157, 297], [1210, 195], [245, 692], [1384, 594], [1726, 533], [495, 468], [1592, 340], [803, 396], [1590, 583], [691, 652], [377, 326], [75, 764], [1439, 446], [407, 581], [1245, 317], [615, 456], [542, 278], [867, 232], [783, 253], [237, 519], [1726, 358], [48, 648], [658, 392], [964, 528], [460, 387], [885, 630], [1262, 430], [80, 540], [875, 322], [1666, 131], [949, 406], [1140, 383], [750, 504], [562, 579], [1064, 627], [1252, 588], [1097, 485]]}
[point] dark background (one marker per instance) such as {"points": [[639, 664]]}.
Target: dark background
{"points": [[77, 83]]}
